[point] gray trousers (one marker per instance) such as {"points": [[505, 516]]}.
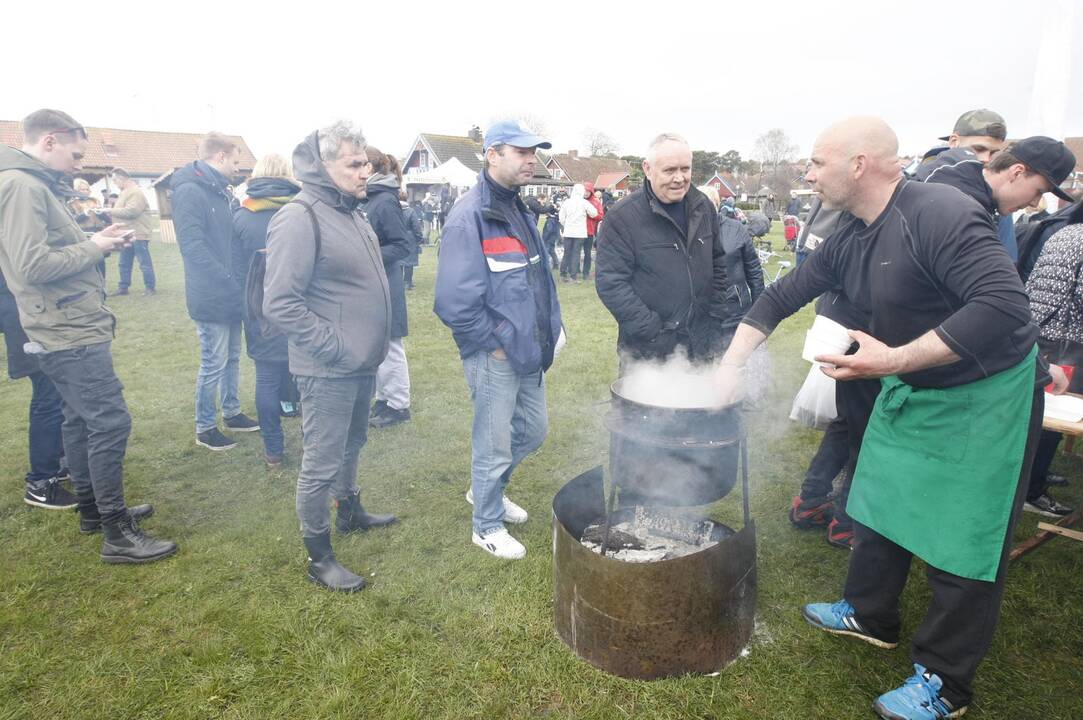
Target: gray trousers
{"points": [[96, 424], [335, 420], [393, 377]]}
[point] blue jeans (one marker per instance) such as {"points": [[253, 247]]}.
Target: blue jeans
{"points": [[46, 417], [139, 249], [510, 422], [335, 420], [219, 372], [271, 378]]}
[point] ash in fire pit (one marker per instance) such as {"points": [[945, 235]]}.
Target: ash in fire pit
{"points": [[648, 535]]}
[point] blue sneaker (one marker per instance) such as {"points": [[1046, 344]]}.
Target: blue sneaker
{"points": [[917, 699], [839, 618]]}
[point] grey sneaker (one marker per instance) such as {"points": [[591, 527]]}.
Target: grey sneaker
{"points": [[1045, 505], [215, 440]]}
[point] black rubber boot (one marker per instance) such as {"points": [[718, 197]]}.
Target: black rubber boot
{"points": [[324, 570], [352, 517], [125, 542], [90, 521]]}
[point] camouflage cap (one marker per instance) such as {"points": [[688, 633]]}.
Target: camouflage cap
{"points": [[980, 122]]}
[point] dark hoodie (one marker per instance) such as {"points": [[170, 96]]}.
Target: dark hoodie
{"points": [[334, 306], [265, 197], [203, 220]]}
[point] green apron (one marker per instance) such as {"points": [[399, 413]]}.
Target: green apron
{"points": [[939, 468]]}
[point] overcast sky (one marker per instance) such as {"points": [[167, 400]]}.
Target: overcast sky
{"points": [[720, 73]]}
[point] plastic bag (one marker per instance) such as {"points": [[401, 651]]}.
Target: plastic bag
{"points": [[814, 405]]}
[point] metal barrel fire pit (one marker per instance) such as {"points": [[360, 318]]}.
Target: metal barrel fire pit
{"points": [[647, 620], [672, 456]]}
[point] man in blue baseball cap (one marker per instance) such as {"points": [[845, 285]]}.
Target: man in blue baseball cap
{"points": [[495, 291]]}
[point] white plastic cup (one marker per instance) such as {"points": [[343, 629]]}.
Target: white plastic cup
{"points": [[825, 337]]}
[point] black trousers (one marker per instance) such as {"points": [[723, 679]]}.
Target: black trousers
{"points": [[829, 460], [959, 623], [1047, 450]]}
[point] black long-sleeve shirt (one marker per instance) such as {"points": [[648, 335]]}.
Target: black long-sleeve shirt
{"points": [[930, 261]]}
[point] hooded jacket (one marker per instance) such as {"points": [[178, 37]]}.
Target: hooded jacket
{"points": [[574, 213], [744, 274], [493, 285], [663, 287], [49, 265], [333, 305], [594, 220], [384, 214], [265, 197], [203, 220]]}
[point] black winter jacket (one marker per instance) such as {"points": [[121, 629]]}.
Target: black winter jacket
{"points": [[744, 274], [203, 219], [384, 213], [663, 287], [1034, 236], [19, 363]]}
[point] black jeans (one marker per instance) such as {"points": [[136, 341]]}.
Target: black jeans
{"points": [[1047, 450], [959, 624], [588, 246], [96, 425], [829, 460], [46, 417], [569, 266]]}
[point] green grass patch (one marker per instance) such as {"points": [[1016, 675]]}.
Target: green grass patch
{"points": [[229, 628]]}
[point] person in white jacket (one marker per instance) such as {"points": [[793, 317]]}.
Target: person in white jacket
{"points": [[573, 220]]}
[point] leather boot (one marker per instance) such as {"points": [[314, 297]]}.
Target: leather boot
{"points": [[125, 542], [323, 568], [90, 521], [352, 517]]}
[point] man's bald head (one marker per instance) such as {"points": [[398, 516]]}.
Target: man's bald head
{"points": [[854, 159]]}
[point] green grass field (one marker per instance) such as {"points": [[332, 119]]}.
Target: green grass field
{"points": [[229, 628]]}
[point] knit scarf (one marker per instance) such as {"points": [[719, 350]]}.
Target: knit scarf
{"points": [[269, 203]]}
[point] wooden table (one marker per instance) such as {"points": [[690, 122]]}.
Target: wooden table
{"points": [[1047, 531]]}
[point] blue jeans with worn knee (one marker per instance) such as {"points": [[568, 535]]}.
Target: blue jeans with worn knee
{"points": [[510, 422], [219, 372]]}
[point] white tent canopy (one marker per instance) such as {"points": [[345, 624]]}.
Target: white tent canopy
{"points": [[452, 172]]}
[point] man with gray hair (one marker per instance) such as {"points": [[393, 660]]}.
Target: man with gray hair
{"points": [[326, 290], [661, 264]]}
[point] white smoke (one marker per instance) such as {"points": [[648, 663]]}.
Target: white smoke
{"points": [[679, 383]]}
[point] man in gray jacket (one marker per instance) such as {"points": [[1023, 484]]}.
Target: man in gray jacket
{"points": [[326, 290]]}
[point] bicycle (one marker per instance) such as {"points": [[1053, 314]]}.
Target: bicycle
{"points": [[767, 256]]}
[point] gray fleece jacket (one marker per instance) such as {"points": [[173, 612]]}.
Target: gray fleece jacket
{"points": [[331, 302]]}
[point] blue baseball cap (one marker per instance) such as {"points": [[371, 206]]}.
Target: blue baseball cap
{"points": [[511, 132]]}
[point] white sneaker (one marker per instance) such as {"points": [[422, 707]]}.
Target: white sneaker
{"points": [[512, 512], [500, 544]]}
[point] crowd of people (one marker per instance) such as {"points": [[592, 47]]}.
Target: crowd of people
{"points": [[313, 265]]}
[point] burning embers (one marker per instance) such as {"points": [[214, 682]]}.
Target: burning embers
{"points": [[644, 534]]}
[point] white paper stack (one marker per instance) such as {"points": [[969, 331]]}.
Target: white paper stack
{"points": [[1066, 408]]}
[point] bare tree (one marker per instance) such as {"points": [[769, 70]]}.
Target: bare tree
{"points": [[598, 143], [774, 149]]}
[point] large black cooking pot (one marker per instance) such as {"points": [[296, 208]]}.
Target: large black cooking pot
{"points": [[672, 456]]}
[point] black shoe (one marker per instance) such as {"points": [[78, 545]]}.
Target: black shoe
{"points": [[324, 570], [378, 408], [241, 423], [1045, 505], [90, 521], [49, 494], [390, 417], [125, 542], [215, 440], [352, 517], [119, 291], [149, 291], [1056, 480]]}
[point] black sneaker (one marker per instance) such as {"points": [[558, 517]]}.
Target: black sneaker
{"points": [[49, 494], [1045, 505], [241, 423], [390, 417], [215, 440]]}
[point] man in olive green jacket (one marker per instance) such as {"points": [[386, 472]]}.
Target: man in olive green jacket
{"points": [[51, 269], [133, 210]]}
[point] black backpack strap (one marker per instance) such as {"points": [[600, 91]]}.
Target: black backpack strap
{"points": [[315, 222]]}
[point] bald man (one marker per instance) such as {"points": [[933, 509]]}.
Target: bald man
{"points": [[954, 427]]}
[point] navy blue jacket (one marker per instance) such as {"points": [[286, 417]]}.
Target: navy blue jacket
{"points": [[384, 213], [490, 278], [249, 237], [412, 217], [203, 220]]}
